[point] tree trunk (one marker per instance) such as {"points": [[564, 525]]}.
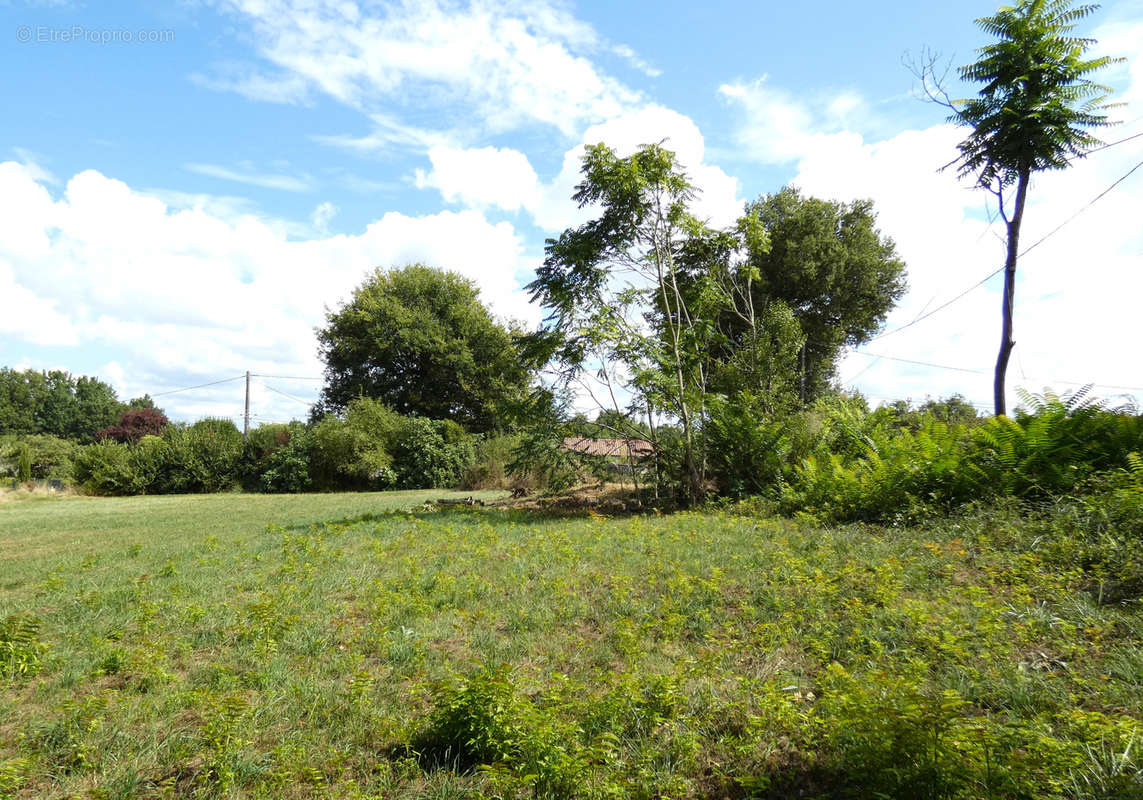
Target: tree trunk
{"points": [[1009, 298]]}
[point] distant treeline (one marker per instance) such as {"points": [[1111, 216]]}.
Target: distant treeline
{"points": [[60, 404]]}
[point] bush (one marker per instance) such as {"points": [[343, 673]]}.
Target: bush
{"points": [[431, 454], [288, 468], [354, 452], [107, 468], [260, 445], [871, 467], [204, 457]]}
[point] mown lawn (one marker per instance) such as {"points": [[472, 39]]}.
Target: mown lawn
{"points": [[192, 650]]}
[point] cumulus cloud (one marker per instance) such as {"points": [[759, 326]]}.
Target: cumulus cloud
{"points": [[485, 176], [505, 178], [178, 296]]}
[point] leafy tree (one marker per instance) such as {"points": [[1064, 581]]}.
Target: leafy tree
{"points": [[828, 263], [1033, 113], [420, 340], [134, 424], [96, 407], [431, 454], [605, 281], [18, 391], [55, 403], [51, 457]]}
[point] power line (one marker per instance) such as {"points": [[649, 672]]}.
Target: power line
{"points": [[1113, 144], [1025, 379], [942, 306], [200, 386], [306, 403], [1098, 197], [922, 363]]}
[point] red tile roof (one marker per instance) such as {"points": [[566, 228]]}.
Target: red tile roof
{"points": [[611, 448]]}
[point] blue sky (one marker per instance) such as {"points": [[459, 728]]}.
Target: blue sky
{"points": [[187, 187]]}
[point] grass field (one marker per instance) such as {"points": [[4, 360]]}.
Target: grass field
{"points": [[237, 646]]}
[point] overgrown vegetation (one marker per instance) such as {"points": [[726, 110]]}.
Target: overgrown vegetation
{"points": [[500, 654]]}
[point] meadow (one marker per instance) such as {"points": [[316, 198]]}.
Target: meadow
{"points": [[359, 646]]}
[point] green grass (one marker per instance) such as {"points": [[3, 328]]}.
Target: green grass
{"points": [[40, 527], [181, 647]]}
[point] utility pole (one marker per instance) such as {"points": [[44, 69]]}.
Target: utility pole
{"points": [[246, 416]]}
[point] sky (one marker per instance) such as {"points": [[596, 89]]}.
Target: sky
{"points": [[186, 188]]}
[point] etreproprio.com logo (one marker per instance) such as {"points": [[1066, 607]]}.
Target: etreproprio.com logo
{"points": [[48, 34]]}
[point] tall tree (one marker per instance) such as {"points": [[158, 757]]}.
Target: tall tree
{"points": [[55, 403], [1034, 112], [832, 267], [420, 340], [616, 301]]}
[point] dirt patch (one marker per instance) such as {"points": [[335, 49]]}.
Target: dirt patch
{"points": [[608, 499]]}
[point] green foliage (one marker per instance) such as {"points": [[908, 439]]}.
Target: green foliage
{"points": [[1037, 101], [24, 463], [288, 467], [888, 467], [55, 403], [106, 468], [261, 443], [419, 340], [203, 457], [828, 262], [431, 454], [596, 322], [355, 452], [49, 456], [21, 651]]}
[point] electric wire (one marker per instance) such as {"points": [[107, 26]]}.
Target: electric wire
{"points": [[200, 386]]}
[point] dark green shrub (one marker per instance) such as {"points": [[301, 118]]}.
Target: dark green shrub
{"points": [[354, 452], [204, 457], [288, 467], [106, 468], [24, 464], [51, 457], [260, 445], [750, 451], [431, 454]]}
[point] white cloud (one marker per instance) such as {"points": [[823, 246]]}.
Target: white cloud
{"points": [[1076, 294], [182, 296], [635, 60], [250, 177], [487, 176], [321, 217], [34, 167], [387, 132], [508, 63], [505, 178], [781, 128]]}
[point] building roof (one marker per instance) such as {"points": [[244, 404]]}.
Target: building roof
{"points": [[609, 448]]}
